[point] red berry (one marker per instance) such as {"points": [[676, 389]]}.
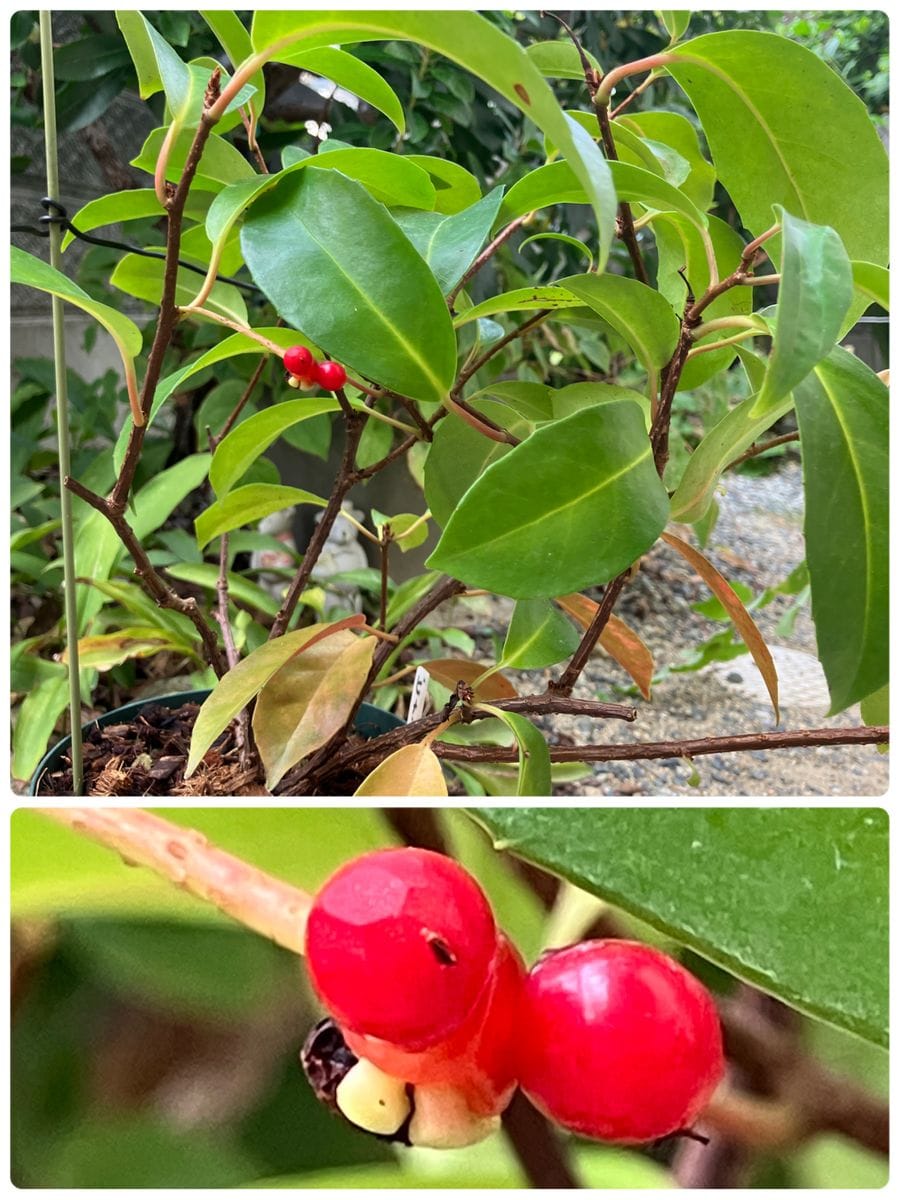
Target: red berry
{"points": [[618, 1041], [400, 946], [299, 361], [330, 375]]}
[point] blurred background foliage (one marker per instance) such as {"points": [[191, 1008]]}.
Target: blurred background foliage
{"points": [[155, 1043]]}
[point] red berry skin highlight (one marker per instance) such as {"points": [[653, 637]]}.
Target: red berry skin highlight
{"points": [[479, 1058], [617, 1041], [330, 375], [300, 362], [400, 946]]}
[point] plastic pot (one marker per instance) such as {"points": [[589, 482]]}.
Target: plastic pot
{"points": [[370, 722]]}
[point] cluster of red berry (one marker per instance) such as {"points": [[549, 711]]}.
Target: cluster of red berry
{"points": [[306, 372], [435, 1021]]}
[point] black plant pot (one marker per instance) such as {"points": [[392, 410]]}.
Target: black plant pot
{"points": [[370, 722]]}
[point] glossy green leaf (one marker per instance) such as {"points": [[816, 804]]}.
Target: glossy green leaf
{"points": [[842, 411], [815, 292], [576, 243], [470, 40], [571, 506], [871, 285], [135, 31], [530, 401], [556, 183], [357, 77], [220, 163], [247, 505], [576, 396], [109, 210], [734, 434], [235, 41], [783, 898], [538, 636], [449, 243], [398, 527], [24, 268], [639, 313], [759, 98], [323, 229], [184, 88], [409, 771], [206, 575], [676, 131], [455, 188], [143, 278], [308, 700], [534, 756], [656, 157], [560, 59], [523, 299], [238, 687], [247, 441]]}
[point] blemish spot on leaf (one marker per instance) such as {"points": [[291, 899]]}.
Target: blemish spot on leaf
{"points": [[521, 93]]}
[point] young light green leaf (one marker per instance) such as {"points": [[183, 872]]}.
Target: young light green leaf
{"points": [[571, 506], [449, 243], [245, 680], [470, 40], [875, 709], [308, 700], [235, 41], [675, 23], [800, 870], [406, 530], [677, 132], [842, 411], [519, 300], [247, 441], [246, 505], [113, 208], [538, 636], [534, 756], [815, 292], [324, 229], [733, 605], [220, 163], [757, 96], [455, 188], [135, 31], [639, 313], [143, 277], [409, 771], [871, 285], [560, 59], [357, 77]]}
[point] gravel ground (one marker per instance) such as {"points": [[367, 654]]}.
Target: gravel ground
{"points": [[757, 540]]}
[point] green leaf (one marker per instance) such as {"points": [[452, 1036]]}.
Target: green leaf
{"points": [[247, 441], [812, 894], [220, 163], [876, 709], [815, 292], [35, 722], [321, 228], [449, 243], [676, 131], [143, 278], [235, 41], [356, 77], [519, 300], [556, 183], [560, 60], [135, 31], [109, 210], [570, 507], [308, 700], [455, 188], [639, 313], [246, 505], [205, 575], [32, 272], [184, 88], [102, 651], [398, 526], [534, 757], [759, 97], [874, 283], [235, 690], [470, 40], [675, 23], [538, 636], [560, 237], [734, 434], [842, 411]]}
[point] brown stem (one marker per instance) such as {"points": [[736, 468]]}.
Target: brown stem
{"points": [[867, 735], [342, 485], [487, 253], [482, 425], [153, 583], [629, 236], [268, 906], [385, 548], [566, 682], [742, 274], [242, 721], [762, 447], [659, 430]]}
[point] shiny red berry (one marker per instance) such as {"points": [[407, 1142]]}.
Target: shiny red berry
{"points": [[300, 362], [330, 375], [617, 1041], [400, 946]]}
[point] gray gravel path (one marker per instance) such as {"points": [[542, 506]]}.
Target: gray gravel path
{"points": [[758, 541]]}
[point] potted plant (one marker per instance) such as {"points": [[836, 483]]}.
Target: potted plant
{"points": [[365, 264]]}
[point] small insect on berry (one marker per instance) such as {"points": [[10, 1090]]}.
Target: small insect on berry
{"points": [[299, 362], [617, 1041], [330, 375], [401, 944]]}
